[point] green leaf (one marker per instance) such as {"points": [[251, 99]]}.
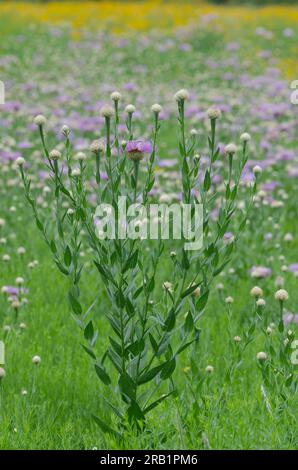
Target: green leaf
{"points": [[67, 256], [185, 261], [207, 181], [134, 412], [89, 331], [189, 290], [105, 427], [157, 402], [170, 321], [102, 374], [168, 369], [75, 304], [148, 376], [201, 303], [127, 386], [131, 262], [89, 351], [189, 324]]}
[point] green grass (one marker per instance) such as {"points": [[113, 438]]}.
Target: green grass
{"points": [[208, 411]]}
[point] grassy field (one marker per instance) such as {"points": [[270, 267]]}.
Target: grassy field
{"points": [[63, 62]]}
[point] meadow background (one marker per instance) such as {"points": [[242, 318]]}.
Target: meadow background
{"points": [[62, 60]]}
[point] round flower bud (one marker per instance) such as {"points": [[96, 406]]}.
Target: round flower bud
{"points": [[80, 156], [116, 96], [2, 373], [260, 303], [237, 339], [220, 286], [269, 330], [257, 170], [214, 113], [256, 292], [36, 360], [281, 295], [54, 155], [97, 146], [19, 281], [229, 300], [209, 369], [261, 356], [230, 149], [106, 111], [193, 132], [288, 237], [130, 109], [76, 172], [65, 130], [245, 137], [20, 161], [156, 108], [181, 95], [168, 286], [40, 120]]}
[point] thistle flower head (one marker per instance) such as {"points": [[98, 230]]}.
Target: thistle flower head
{"points": [[156, 108], [130, 109], [97, 146], [76, 172], [40, 120], [65, 130], [80, 157], [36, 360], [257, 170], [261, 356], [230, 149], [55, 155], [137, 148], [281, 295], [245, 137], [214, 113], [116, 96], [256, 292], [106, 111], [20, 161], [181, 95]]}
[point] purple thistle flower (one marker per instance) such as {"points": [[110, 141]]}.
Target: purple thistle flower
{"points": [[137, 148]]}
